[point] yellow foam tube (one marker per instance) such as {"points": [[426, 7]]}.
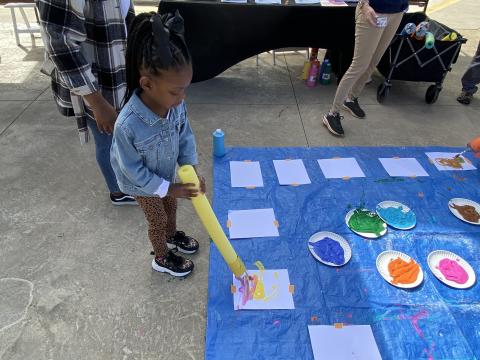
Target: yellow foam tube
{"points": [[210, 222]]}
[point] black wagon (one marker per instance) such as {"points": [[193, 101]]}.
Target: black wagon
{"points": [[408, 59]]}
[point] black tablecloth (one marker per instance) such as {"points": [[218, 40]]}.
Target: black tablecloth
{"points": [[220, 35]]}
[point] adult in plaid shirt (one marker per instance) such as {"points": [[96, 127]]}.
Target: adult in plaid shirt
{"points": [[85, 43]]}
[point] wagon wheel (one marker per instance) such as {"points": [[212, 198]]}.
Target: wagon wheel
{"points": [[382, 92], [432, 94]]}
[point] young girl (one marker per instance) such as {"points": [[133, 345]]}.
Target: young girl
{"points": [[152, 134]]}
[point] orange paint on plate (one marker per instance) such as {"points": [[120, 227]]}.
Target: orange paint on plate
{"points": [[403, 272]]}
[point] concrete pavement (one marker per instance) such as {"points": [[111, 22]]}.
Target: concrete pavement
{"points": [[75, 276]]}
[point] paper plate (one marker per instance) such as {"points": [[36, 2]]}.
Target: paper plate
{"points": [[384, 258], [366, 235], [434, 259], [461, 202], [319, 236], [396, 204]]}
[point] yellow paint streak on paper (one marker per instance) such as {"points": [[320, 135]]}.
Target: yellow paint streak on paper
{"points": [[258, 288]]}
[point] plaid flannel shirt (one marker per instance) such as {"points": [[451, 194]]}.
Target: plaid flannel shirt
{"points": [[85, 42]]}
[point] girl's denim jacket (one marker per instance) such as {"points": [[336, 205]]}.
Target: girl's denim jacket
{"points": [[147, 148]]}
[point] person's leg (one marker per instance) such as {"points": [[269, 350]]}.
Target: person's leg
{"points": [[472, 75], [165, 260], [386, 38], [366, 40], [470, 80], [102, 150], [157, 223], [170, 205], [177, 239]]}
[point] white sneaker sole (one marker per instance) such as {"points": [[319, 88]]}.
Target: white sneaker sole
{"points": [[130, 203], [168, 271], [351, 112], [173, 246], [325, 122]]}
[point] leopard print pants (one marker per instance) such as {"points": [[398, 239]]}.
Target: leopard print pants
{"points": [[161, 215]]}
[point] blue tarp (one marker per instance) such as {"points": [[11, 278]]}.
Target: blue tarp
{"points": [[431, 321]]}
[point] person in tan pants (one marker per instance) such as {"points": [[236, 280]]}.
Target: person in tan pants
{"points": [[376, 22]]}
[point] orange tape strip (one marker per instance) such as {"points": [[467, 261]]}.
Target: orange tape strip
{"points": [[233, 289], [275, 222], [346, 178], [291, 288], [338, 325], [229, 224]]}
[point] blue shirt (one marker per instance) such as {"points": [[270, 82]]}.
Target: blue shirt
{"points": [[147, 148], [388, 6]]}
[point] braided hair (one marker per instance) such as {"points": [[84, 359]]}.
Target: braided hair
{"points": [[155, 43]]}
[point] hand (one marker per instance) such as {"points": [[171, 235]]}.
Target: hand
{"points": [[203, 187], [105, 117], [104, 113], [474, 144], [370, 14], [184, 191]]}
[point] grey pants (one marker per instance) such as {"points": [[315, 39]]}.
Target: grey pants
{"points": [[472, 75], [370, 45]]}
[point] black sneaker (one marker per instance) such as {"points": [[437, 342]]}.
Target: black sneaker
{"points": [[354, 108], [185, 244], [333, 122], [173, 264], [123, 199], [466, 97]]}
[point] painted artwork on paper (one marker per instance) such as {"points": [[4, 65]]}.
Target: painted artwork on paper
{"points": [[263, 290]]}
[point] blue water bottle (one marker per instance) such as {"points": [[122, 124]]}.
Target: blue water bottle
{"points": [[327, 74], [218, 143], [409, 29]]}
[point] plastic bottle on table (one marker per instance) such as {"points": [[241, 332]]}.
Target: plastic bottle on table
{"points": [[313, 73], [218, 143]]}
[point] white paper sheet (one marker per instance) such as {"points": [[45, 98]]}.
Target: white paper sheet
{"points": [[235, 1], [276, 291], [252, 223], [291, 172], [333, 3], [340, 168], [245, 174], [434, 156], [268, 1], [307, 1], [403, 167], [355, 342]]}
